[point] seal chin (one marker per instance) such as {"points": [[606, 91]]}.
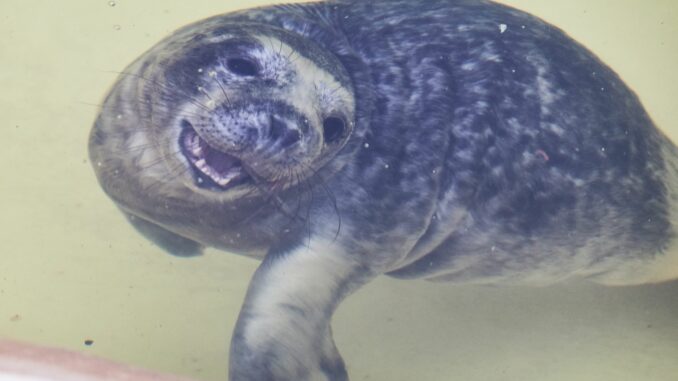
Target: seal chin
{"points": [[212, 169]]}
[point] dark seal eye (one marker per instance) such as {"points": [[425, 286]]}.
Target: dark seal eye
{"points": [[242, 67], [333, 128]]}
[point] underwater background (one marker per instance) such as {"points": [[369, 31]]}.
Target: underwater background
{"points": [[74, 274]]}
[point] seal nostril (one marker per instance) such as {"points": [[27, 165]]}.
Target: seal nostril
{"points": [[279, 131], [290, 138], [333, 128], [276, 128]]}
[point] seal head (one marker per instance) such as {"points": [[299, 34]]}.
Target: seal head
{"points": [[257, 109], [234, 116]]}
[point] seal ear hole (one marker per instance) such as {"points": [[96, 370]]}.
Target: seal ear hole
{"points": [[333, 128], [242, 67]]}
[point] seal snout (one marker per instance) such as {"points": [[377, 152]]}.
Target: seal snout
{"points": [[236, 151], [282, 133]]}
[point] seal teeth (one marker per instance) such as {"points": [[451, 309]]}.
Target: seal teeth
{"points": [[212, 167], [195, 146], [221, 179]]}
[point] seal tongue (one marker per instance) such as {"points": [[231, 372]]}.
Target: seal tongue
{"points": [[219, 167], [220, 162]]}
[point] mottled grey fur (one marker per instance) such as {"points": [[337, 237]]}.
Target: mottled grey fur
{"points": [[479, 145]]}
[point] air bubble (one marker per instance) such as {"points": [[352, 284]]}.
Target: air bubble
{"points": [[111, 3]]}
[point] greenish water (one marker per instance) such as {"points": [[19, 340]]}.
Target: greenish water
{"points": [[72, 270]]}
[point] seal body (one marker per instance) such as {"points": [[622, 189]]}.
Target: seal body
{"points": [[452, 140]]}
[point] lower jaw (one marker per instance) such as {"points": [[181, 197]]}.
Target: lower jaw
{"points": [[204, 181]]}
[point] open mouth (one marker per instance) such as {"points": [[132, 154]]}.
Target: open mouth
{"points": [[211, 167]]}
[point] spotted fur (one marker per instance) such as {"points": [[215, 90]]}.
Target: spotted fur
{"points": [[482, 145]]}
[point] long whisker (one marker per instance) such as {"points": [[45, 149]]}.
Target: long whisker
{"points": [[271, 196], [308, 211], [176, 174], [223, 91], [159, 160], [171, 110], [318, 177], [167, 89]]}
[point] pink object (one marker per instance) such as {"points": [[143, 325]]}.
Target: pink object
{"points": [[26, 362]]}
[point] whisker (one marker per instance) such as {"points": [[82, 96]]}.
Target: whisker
{"points": [[308, 213], [170, 110], [166, 180], [159, 160], [140, 147], [291, 53], [316, 176], [202, 90], [223, 91], [167, 89], [260, 183], [333, 199], [97, 105]]}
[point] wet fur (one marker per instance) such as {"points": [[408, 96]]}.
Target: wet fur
{"points": [[488, 147]]}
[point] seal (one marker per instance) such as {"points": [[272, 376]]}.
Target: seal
{"points": [[450, 140]]}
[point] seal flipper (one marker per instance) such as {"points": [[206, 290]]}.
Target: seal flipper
{"points": [[283, 331], [170, 242]]}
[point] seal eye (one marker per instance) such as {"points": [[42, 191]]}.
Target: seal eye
{"points": [[242, 67], [333, 128]]}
